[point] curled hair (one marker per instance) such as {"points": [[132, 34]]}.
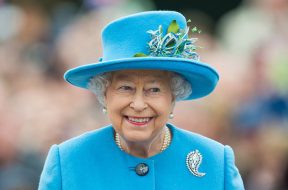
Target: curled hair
{"points": [[180, 87], [98, 85]]}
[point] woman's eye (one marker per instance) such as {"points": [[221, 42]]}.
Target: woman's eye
{"points": [[125, 88], [154, 90]]}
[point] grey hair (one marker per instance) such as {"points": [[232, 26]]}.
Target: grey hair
{"points": [[180, 87], [98, 85]]}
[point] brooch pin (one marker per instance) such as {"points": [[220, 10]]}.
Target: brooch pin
{"points": [[193, 161]]}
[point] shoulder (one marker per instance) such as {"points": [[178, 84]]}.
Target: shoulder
{"points": [[184, 142], [215, 156], [89, 136], [194, 139], [87, 142]]}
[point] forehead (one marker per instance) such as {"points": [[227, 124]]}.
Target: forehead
{"points": [[151, 75]]}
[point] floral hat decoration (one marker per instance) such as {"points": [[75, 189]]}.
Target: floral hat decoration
{"points": [[154, 40]]}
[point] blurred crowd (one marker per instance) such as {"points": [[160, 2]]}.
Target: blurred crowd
{"points": [[248, 110]]}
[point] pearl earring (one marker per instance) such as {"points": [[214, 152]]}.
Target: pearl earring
{"points": [[104, 110], [171, 115]]}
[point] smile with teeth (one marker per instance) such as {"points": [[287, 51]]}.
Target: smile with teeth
{"points": [[139, 120]]}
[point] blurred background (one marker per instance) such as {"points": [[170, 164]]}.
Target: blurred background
{"points": [[245, 40]]}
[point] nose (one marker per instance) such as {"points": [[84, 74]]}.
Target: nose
{"points": [[138, 102]]}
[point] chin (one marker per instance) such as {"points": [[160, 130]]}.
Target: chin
{"points": [[137, 136]]}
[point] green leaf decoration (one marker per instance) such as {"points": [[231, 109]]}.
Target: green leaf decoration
{"points": [[173, 27], [171, 43], [160, 29], [194, 29], [182, 32], [139, 54], [181, 47], [175, 43]]}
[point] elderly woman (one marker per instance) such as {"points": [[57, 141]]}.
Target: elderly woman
{"points": [[149, 64]]}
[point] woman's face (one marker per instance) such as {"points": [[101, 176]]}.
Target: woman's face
{"points": [[139, 103]]}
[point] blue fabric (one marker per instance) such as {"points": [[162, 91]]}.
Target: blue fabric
{"points": [[93, 161], [125, 37]]}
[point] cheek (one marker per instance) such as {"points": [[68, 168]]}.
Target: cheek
{"points": [[163, 108], [115, 105]]}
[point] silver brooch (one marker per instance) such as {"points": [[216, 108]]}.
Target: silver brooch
{"points": [[193, 161]]}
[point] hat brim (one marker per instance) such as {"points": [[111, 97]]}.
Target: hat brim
{"points": [[203, 78]]}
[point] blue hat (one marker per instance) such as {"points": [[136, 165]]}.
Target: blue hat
{"points": [[154, 40]]}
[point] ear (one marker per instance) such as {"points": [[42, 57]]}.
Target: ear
{"points": [[104, 101], [173, 104]]}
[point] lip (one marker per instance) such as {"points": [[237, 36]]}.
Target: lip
{"points": [[138, 123]]}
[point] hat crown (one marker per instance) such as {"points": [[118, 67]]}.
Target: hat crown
{"points": [[125, 37]]}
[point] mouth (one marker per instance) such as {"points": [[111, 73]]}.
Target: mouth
{"points": [[138, 121]]}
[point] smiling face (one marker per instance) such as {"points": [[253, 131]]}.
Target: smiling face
{"points": [[139, 103]]}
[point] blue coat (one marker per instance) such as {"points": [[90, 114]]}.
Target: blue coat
{"points": [[93, 161]]}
